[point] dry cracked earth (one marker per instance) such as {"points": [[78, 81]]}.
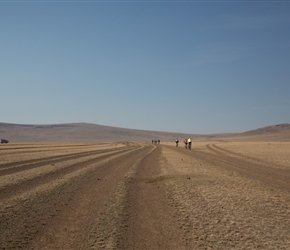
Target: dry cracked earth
{"points": [[218, 195]]}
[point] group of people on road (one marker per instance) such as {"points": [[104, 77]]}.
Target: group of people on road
{"points": [[187, 143]]}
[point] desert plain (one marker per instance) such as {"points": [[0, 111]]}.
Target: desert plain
{"points": [[130, 195]]}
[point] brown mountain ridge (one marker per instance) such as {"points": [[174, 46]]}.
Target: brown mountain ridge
{"points": [[86, 132]]}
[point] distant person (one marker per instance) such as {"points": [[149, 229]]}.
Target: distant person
{"points": [[176, 142], [152, 141], [185, 143], [158, 141], [189, 142]]}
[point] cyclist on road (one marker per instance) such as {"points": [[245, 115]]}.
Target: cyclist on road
{"points": [[177, 141], [185, 143], [189, 143]]}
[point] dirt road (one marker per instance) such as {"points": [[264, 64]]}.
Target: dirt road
{"points": [[144, 196]]}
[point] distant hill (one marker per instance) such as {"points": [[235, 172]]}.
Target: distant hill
{"points": [[279, 132], [275, 129], [86, 132], [81, 132]]}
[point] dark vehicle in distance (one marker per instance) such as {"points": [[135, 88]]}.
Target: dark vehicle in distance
{"points": [[4, 141]]}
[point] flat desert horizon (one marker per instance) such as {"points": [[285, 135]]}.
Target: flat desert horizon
{"points": [[226, 192]]}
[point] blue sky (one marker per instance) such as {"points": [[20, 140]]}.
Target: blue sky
{"points": [[179, 66]]}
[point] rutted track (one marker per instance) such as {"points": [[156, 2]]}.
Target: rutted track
{"points": [[86, 200], [36, 200], [142, 196], [252, 167], [28, 184], [149, 221], [13, 167]]}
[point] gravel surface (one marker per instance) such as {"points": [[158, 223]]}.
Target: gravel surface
{"points": [[217, 195]]}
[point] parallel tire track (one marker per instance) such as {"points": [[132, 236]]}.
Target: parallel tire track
{"points": [[25, 185], [256, 170], [64, 217], [48, 147], [149, 221], [14, 167], [251, 163], [223, 151]]}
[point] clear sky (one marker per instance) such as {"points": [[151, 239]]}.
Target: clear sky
{"points": [[176, 66]]}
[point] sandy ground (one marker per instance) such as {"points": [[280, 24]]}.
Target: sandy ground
{"points": [[218, 195]]}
